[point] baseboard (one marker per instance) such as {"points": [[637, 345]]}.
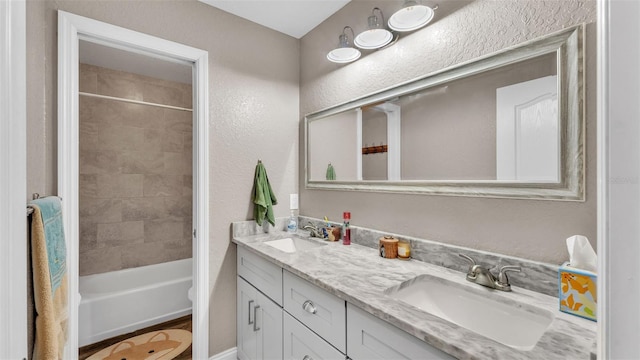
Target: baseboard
{"points": [[230, 354]]}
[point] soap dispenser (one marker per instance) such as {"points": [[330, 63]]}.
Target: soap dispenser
{"points": [[292, 224]]}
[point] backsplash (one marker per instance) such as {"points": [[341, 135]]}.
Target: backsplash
{"points": [[535, 276]]}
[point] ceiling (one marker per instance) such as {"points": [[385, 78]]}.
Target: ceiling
{"points": [[292, 17]]}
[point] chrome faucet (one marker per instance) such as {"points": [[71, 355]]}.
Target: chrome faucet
{"points": [[484, 277], [313, 230]]}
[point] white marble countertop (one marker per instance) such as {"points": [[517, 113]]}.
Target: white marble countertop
{"points": [[358, 275]]}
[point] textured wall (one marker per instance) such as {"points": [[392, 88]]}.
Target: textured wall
{"points": [[254, 110], [135, 171], [461, 31]]}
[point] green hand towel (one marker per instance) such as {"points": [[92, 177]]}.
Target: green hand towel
{"points": [[263, 197], [331, 173]]}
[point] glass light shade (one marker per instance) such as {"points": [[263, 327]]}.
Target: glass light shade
{"points": [[344, 53], [411, 17], [376, 36], [373, 39]]}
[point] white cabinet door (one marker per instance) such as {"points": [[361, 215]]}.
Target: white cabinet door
{"points": [[259, 324], [300, 343], [370, 338]]}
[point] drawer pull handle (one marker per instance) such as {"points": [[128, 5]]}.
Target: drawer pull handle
{"points": [[309, 307], [249, 312], [307, 357], [255, 319]]}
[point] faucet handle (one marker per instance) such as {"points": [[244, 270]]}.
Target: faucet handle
{"points": [[472, 264], [503, 280]]}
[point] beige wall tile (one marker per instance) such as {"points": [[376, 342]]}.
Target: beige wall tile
{"points": [[88, 185], [163, 185], [168, 230], [100, 210], [116, 137], [178, 120], [177, 163], [118, 234], [131, 192], [120, 185], [142, 162], [188, 143], [153, 139], [88, 79], [142, 254], [98, 162], [100, 260], [187, 185], [166, 95], [114, 85], [179, 253], [88, 137], [144, 209], [88, 236], [178, 206], [172, 141]]}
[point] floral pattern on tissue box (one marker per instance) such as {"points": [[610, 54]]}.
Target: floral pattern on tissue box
{"points": [[578, 295]]}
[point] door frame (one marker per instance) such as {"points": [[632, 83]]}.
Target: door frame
{"points": [[13, 182], [71, 29]]}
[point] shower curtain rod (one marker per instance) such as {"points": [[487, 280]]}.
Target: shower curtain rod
{"points": [[134, 101]]}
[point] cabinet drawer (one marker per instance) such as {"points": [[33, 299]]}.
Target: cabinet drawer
{"points": [[301, 343], [370, 338], [264, 275], [320, 311]]}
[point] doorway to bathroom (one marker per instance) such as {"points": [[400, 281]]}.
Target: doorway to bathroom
{"points": [[133, 173]]}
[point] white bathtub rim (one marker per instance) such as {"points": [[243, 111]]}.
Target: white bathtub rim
{"points": [[93, 296]]}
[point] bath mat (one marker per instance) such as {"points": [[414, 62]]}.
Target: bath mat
{"points": [[154, 345]]}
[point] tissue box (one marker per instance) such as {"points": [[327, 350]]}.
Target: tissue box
{"points": [[578, 291]]}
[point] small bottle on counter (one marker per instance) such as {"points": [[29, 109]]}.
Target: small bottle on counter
{"points": [[404, 250], [346, 236], [292, 224]]}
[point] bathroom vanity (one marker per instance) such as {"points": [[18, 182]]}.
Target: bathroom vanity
{"points": [[312, 299]]}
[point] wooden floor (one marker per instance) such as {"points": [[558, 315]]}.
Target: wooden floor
{"points": [[183, 323]]}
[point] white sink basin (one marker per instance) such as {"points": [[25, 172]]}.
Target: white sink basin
{"points": [[291, 245], [513, 324]]}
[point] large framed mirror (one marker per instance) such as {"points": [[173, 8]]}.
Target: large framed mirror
{"points": [[510, 124]]}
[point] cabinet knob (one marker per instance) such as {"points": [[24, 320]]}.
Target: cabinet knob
{"points": [[307, 357], [309, 307]]}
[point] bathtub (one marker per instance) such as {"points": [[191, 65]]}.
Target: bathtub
{"points": [[122, 301]]}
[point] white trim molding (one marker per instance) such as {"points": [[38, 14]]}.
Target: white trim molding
{"points": [[13, 181], [618, 179], [71, 29], [229, 354]]}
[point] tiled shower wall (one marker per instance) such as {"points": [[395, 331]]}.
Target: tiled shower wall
{"points": [[135, 171]]}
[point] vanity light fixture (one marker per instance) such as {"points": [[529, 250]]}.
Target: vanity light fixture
{"points": [[411, 17], [377, 35], [344, 53]]}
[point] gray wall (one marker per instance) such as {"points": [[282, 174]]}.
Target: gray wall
{"points": [[460, 32], [254, 109]]}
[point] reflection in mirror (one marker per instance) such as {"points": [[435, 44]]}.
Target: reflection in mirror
{"points": [[494, 122]]}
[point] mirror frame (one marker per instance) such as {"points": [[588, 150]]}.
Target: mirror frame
{"points": [[569, 48]]}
